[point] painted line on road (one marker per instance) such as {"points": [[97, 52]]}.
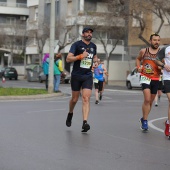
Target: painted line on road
{"points": [[150, 123]]}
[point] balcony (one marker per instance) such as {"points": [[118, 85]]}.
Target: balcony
{"points": [[9, 4], [13, 8]]}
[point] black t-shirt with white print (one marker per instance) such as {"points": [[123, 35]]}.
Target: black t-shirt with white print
{"points": [[84, 66]]}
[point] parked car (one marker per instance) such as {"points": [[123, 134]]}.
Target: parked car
{"points": [[11, 73], [65, 77], [133, 79]]}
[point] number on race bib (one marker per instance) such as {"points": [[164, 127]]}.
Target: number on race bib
{"points": [[85, 63]]}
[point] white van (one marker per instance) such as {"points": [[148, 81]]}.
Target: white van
{"points": [[132, 79]]}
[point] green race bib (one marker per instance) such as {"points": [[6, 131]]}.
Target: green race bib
{"points": [[144, 79], [95, 80], [86, 63]]}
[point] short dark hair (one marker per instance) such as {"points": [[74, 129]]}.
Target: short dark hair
{"points": [[154, 34]]}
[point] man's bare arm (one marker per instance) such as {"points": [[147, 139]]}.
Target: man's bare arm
{"points": [[71, 58], [139, 59]]}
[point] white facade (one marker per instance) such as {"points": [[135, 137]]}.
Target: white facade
{"points": [[32, 2]]}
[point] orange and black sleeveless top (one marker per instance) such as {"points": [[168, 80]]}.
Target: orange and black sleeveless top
{"points": [[150, 68]]}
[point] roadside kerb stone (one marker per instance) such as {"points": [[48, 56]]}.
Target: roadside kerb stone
{"points": [[38, 96]]}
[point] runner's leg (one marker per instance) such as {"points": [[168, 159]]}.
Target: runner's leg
{"points": [[168, 95], [73, 101], [146, 107], [86, 94]]}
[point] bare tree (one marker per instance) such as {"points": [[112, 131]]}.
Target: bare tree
{"points": [[110, 23], [140, 10], [67, 37]]}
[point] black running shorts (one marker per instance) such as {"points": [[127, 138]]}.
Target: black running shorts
{"points": [[167, 86], [153, 86], [84, 82], [99, 85], [160, 85]]}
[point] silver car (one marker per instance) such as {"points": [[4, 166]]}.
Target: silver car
{"points": [[65, 77]]}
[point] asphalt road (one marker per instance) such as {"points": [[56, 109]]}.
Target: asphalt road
{"points": [[34, 135]]}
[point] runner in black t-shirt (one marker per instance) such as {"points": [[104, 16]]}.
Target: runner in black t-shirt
{"points": [[82, 53]]}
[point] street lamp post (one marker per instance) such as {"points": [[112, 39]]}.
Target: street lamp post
{"points": [[52, 37]]}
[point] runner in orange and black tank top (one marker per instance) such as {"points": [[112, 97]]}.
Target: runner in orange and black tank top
{"points": [[150, 69]]}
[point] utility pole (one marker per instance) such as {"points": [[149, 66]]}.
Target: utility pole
{"points": [[52, 37]]}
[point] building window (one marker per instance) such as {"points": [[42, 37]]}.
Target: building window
{"points": [[35, 39], [3, 1], [57, 7], [11, 20], [90, 6], [36, 14], [22, 1], [136, 19], [100, 35], [69, 10], [102, 7]]}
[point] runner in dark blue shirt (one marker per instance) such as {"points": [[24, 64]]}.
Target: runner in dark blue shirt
{"points": [[82, 53]]}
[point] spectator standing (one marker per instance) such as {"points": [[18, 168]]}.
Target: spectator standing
{"points": [[58, 69], [45, 66]]}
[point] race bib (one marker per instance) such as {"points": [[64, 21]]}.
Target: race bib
{"points": [[86, 63], [144, 79], [95, 80]]}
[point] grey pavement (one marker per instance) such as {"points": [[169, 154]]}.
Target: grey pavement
{"points": [[33, 134]]}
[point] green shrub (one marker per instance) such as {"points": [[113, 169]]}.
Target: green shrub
{"points": [[20, 91]]}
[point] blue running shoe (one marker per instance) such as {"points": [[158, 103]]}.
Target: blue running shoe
{"points": [[144, 124]]}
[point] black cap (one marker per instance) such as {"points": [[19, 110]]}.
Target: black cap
{"points": [[87, 29]]}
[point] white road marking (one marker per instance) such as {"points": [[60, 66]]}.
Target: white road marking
{"points": [[150, 123]]}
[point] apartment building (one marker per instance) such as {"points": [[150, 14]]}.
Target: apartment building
{"points": [[110, 29], [38, 28], [13, 16], [71, 16]]}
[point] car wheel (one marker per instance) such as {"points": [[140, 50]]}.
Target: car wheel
{"points": [[129, 86], [10, 78], [16, 78]]}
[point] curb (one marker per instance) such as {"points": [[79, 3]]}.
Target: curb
{"points": [[31, 97]]}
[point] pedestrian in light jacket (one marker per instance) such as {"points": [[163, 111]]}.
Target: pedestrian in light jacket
{"points": [[58, 69]]}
